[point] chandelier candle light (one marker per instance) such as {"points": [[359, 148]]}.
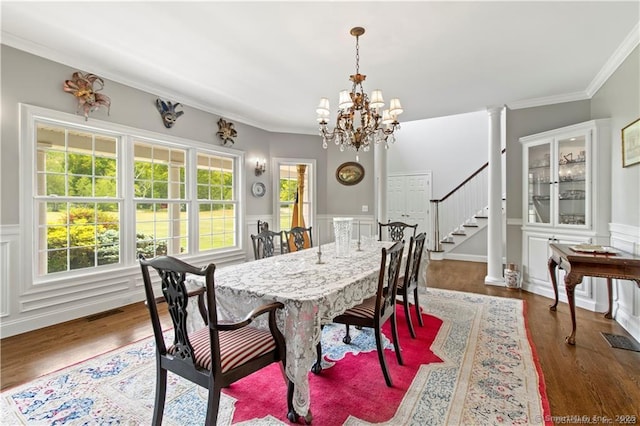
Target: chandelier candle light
{"points": [[359, 123]]}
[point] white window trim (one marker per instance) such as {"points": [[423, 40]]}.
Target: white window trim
{"points": [[31, 282]]}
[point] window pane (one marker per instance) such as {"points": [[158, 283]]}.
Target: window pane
{"points": [[55, 184], [68, 160], [159, 172], [55, 161], [161, 228], [217, 226], [105, 187], [80, 186], [78, 235]]}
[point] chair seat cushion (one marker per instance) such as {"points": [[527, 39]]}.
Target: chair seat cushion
{"points": [[367, 309], [236, 346]]}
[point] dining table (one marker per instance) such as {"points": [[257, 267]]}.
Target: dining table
{"points": [[314, 285]]}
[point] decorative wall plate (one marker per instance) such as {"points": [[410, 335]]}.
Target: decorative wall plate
{"points": [[349, 173], [258, 189]]}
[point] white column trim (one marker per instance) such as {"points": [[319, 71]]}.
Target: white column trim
{"points": [[494, 228]]}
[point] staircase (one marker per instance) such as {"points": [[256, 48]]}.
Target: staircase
{"points": [[460, 214]]}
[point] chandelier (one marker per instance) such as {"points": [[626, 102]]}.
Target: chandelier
{"points": [[359, 123]]}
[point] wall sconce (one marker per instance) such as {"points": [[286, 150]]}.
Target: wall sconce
{"points": [[261, 167]]}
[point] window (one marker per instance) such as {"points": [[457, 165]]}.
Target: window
{"points": [[102, 195], [160, 199], [292, 176], [78, 209], [216, 202]]}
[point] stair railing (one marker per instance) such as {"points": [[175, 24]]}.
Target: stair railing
{"points": [[459, 206]]}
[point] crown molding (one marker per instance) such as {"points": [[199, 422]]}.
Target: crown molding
{"points": [[548, 100], [617, 58]]}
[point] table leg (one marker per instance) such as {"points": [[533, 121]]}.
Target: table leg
{"points": [[609, 313], [552, 273], [571, 281], [291, 415]]}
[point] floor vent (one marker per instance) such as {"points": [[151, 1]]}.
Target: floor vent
{"points": [[621, 342], [104, 314]]}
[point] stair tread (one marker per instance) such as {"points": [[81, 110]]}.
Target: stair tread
{"points": [[470, 225]]}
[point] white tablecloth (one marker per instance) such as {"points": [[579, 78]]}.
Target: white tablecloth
{"points": [[311, 293]]}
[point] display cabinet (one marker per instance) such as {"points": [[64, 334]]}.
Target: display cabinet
{"points": [[557, 174], [566, 197]]}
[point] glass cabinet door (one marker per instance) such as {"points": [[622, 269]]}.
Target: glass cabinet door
{"points": [[571, 181], [539, 184]]}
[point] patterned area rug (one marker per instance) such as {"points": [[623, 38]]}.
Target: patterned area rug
{"points": [[489, 375]]}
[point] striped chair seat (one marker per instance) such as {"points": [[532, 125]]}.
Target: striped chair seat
{"points": [[367, 309], [236, 346]]}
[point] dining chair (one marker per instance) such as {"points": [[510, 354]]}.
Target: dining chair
{"points": [[296, 236], [396, 230], [376, 310], [408, 282], [215, 355], [265, 244]]}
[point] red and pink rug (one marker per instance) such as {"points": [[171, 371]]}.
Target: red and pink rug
{"points": [[472, 363]]}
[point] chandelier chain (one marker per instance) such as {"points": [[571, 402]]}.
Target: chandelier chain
{"points": [[357, 55]]}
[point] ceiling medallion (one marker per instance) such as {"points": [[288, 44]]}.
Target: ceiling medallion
{"points": [[359, 123]]}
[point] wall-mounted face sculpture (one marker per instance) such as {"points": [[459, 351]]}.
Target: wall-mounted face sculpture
{"points": [[168, 112]]}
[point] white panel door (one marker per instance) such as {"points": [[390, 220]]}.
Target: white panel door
{"points": [[408, 200]]}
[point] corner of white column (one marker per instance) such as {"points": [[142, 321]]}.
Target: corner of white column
{"points": [[494, 228], [380, 167]]}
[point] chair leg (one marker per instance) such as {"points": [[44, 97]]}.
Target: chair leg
{"points": [[347, 337], [396, 341], [161, 393], [417, 305], [316, 368], [213, 405], [407, 314], [383, 361]]}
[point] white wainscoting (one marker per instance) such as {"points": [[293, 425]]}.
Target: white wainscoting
{"points": [[26, 306], [626, 294], [9, 261]]}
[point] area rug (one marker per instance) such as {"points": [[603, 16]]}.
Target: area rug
{"points": [[473, 363]]}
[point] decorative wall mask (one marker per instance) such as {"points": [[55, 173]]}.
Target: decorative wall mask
{"points": [[82, 87], [226, 132], [168, 112]]}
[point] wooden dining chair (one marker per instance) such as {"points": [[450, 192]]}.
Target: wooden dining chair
{"points": [[267, 243], [376, 310], [215, 355], [408, 282], [296, 236], [396, 230]]}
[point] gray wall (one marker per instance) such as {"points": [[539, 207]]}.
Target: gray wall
{"points": [[619, 98], [452, 148], [37, 81]]}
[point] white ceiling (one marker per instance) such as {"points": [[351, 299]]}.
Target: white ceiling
{"points": [[267, 63]]}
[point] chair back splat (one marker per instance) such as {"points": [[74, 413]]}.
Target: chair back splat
{"points": [[409, 281], [298, 238], [214, 355], [266, 243], [396, 230]]}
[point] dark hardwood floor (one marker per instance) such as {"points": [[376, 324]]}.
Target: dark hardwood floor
{"points": [[589, 379]]}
